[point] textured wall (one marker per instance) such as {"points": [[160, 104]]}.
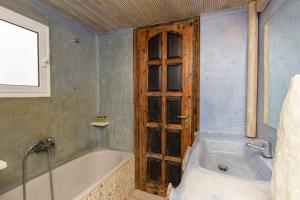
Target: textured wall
{"points": [[116, 87], [264, 131], [66, 114], [223, 72], [284, 55]]}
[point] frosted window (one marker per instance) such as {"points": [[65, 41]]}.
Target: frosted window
{"points": [[18, 55]]}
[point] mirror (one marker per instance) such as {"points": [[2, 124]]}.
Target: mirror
{"points": [[281, 57]]}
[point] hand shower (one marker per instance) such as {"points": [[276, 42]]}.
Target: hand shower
{"points": [[46, 144]]}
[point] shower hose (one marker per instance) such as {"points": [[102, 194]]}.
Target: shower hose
{"points": [[24, 172]]}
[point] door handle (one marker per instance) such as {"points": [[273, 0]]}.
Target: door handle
{"points": [[186, 118], [182, 116]]}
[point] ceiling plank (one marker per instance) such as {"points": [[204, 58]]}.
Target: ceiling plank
{"points": [[110, 15], [91, 13], [68, 11]]}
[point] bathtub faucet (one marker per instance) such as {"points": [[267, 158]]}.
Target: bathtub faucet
{"points": [[265, 148], [44, 145]]}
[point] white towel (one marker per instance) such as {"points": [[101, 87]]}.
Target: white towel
{"points": [[285, 183]]}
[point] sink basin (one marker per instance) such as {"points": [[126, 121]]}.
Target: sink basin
{"points": [[3, 165], [229, 155], [221, 167]]}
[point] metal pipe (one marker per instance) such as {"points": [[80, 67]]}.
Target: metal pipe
{"points": [[254, 146], [24, 169], [50, 174]]}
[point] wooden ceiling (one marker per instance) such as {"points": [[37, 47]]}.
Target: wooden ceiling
{"points": [[110, 15]]}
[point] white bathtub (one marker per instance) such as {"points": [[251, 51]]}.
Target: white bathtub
{"points": [[75, 179]]}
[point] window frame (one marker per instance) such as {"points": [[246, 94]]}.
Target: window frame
{"points": [[44, 88]]}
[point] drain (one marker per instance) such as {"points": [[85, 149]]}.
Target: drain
{"points": [[223, 167]]}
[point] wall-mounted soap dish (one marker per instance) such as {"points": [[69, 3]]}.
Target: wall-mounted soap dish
{"points": [[100, 124], [100, 121], [3, 165]]}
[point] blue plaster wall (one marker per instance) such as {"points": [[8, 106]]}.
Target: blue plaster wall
{"points": [[284, 55], [265, 131], [116, 88], [223, 72]]}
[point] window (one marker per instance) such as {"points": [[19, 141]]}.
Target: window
{"points": [[24, 56]]}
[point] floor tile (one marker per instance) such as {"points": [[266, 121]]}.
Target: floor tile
{"points": [[140, 195]]}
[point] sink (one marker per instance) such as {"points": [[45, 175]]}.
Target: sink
{"points": [[221, 167], [3, 165], [229, 155]]}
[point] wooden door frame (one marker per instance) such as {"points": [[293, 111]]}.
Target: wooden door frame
{"points": [[136, 84]]}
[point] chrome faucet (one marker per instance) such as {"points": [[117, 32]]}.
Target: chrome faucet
{"points": [[44, 145], [265, 148]]}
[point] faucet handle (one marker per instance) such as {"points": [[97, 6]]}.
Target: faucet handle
{"points": [[266, 143], [50, 143]]}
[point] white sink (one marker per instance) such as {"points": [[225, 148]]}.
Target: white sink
{"points": [[3, 165]]}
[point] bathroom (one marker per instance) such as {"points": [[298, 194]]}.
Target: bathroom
{"points": [[149, 100]]}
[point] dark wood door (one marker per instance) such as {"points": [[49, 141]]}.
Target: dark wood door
{"points": [[167, 79]]}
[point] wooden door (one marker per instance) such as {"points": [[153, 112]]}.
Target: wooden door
{"points": [[166, 78]]}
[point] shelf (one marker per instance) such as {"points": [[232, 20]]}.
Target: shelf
{"points": [[100, 124], [3, 165]]}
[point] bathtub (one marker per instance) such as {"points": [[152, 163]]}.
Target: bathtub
{"points": [[101, 174]]}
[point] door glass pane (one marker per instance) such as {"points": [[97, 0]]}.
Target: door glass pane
{"points": [[154, 109], [173, 173], [173, 110], [18, 55], [154, 170], [154, 78], [154, 140], [174, 143], [154, 47], [174, 45], [174, 78]]}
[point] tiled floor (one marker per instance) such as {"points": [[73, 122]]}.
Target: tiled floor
{"points": [[140, 195]]}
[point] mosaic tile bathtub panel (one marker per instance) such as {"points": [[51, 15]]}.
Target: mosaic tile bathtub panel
{"points": [[118, 186]]}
